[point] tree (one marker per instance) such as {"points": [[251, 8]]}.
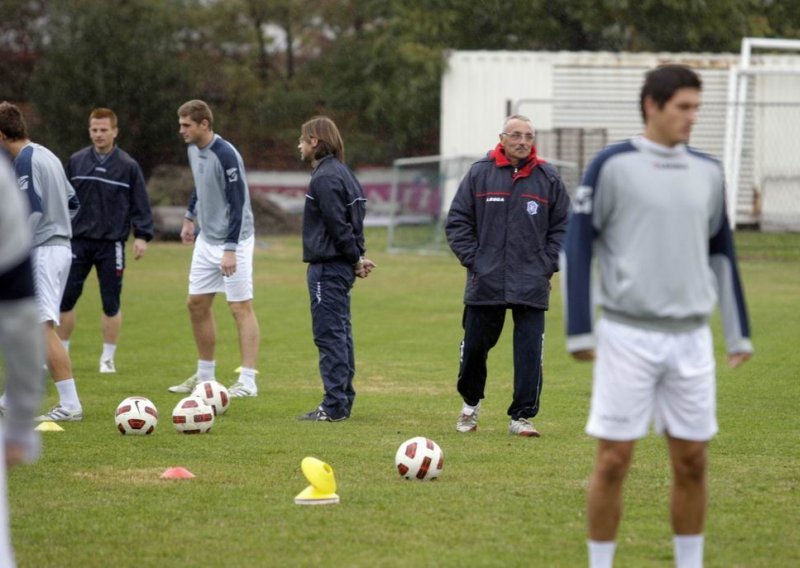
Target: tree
{"points": [[20, 36], [121, 55]]}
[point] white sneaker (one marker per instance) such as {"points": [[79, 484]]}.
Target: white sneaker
{"points": [[241, 390], [107, 366], [60, 414], [523, 427], [187, 385], [468, 419]]}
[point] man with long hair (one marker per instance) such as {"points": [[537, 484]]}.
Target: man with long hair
{"points": [[333, 247]]}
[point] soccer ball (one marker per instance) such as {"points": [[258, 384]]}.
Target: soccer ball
{"points": [[136, 415], [213, 394], [192, 416], [419, 458]]}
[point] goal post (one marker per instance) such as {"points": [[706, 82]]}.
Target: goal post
{"points": [[421, 191], [762, 133]]}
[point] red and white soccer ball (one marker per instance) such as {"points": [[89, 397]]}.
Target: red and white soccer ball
{"points": [[213, 394], [192, 416], [419, 458], [136, 415]]}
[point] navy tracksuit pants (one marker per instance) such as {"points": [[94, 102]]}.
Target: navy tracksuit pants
{"points": [[329, 285], [482, 327]]}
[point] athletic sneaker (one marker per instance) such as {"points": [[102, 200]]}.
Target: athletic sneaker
{"points": [[187, 385], [468, 419], [522, 427], [241, 390], [319, 415], [60, 414], [107, 366]]}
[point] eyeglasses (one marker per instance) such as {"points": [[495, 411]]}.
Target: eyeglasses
{"points": [[517, 136]]}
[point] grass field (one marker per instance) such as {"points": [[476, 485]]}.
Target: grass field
{"points": [[95, 498]]}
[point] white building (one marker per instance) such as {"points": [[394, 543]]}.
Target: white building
{"points": [[580, 101]]}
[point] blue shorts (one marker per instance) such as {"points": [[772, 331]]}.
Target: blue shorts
{"points": [[108, 258]]}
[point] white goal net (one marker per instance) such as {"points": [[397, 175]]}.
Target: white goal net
{"points": [[421, 191]]}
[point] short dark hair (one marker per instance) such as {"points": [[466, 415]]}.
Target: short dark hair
{"points": [[197, 111], [327, 134], [661, 83], [12, 123]]}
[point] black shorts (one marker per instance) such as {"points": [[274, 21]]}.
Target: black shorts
{"points": [[108, 257]]}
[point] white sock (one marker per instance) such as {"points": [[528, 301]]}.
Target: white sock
{"points": [[601, 553], [206, 370], [3, 400], [108, 351], [468, 410], [65, 343], [68, 395], [688, 550], [247, 377]]}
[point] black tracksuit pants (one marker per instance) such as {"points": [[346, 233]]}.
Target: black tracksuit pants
{"points": [[482, 327], [329, 285]]}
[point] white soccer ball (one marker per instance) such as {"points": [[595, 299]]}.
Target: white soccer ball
{"points": [[419, 458], [192, 416], [213, 394], [136, 415]]}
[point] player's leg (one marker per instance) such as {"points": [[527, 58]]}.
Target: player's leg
{"points": [[482, 328], [350, 391], [204, 327], [205, 280], [51, 270], [626, 372], [82, 262], [686, 413], [528, 344], [604, 496], [6, 549], [329, 287], [110, 264], [249, 337], [604, 499], [689, 487], [239, 292]]}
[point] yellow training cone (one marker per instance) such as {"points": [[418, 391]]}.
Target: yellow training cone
{"points": [[322, 490], [49, 427]]}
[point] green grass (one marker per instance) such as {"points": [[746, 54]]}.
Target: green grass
{"points": [[95, 497]]}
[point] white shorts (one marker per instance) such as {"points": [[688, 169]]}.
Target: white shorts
{"points": [[50, 271], [205, 276], [642, 375]]}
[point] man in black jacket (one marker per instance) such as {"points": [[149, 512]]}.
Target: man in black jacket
{"points": [[333, 247], [111, 189], [505, 225]]}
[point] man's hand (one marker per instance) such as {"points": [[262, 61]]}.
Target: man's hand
{"points": [[736, 359], [187, 231], [15, 454], [228, 264], [363, 267], [584, 355], [139, 248]]}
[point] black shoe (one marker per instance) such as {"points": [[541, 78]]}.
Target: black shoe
{"points": [[319, 415]]}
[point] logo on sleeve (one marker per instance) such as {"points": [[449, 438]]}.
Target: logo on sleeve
{"points": [[233, 174], [23, 182], [533, 208], [583, 200]]}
